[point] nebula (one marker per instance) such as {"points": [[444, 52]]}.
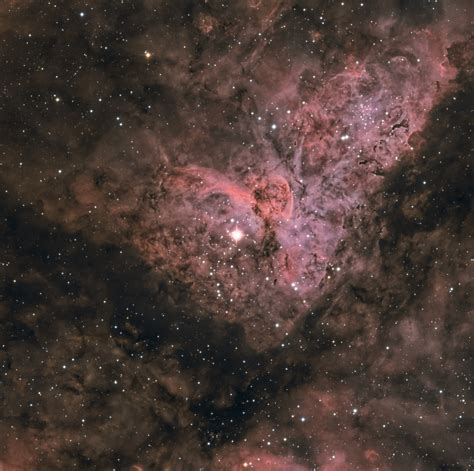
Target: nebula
{"points": [[236, 235]]}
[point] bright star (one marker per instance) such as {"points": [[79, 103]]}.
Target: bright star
{"points": [[237, 234]]}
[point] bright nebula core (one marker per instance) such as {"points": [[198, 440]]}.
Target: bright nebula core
{"points": [[236, 234]]}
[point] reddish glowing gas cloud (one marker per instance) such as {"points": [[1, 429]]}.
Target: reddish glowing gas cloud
{"points": [[235, 235]]}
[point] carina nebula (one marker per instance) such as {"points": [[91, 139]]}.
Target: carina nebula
{"points": [[236, 234]]}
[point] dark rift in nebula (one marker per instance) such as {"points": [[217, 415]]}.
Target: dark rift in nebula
{"points": [[236, 235]]}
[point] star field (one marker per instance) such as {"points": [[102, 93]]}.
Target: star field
{"points": [[236, 235]]}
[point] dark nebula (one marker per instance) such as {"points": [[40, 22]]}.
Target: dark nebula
{"points": [[236, 234]]}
